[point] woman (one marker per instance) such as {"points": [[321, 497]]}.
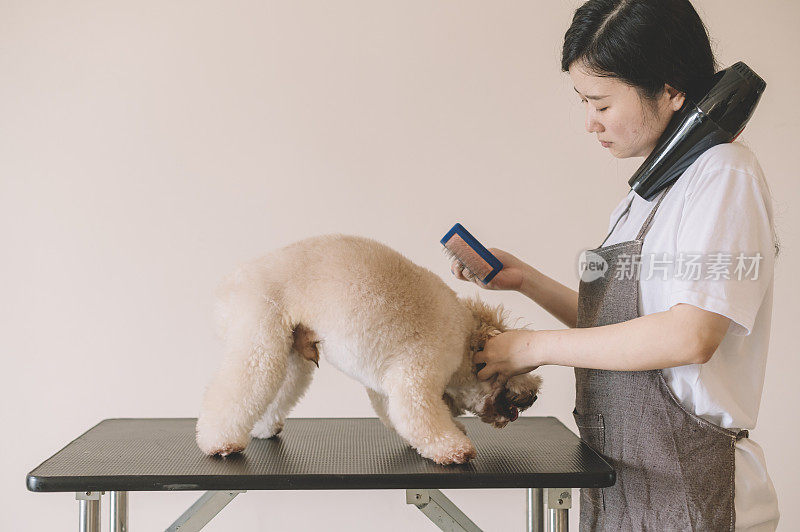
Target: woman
{"points": [[669, 367]]}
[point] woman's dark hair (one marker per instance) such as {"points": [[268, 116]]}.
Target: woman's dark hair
{"points": [[644, 43]]}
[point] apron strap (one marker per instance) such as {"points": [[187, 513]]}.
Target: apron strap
{"points": [[646, 225], [615, 223]]}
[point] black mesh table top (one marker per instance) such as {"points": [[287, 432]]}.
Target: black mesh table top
{"points": [[317, 453]]}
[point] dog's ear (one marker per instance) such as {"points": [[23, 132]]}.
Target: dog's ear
{"points": [[492, 317], [489, 321]]}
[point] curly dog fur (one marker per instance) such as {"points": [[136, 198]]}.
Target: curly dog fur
{"points": [[392, 325]]}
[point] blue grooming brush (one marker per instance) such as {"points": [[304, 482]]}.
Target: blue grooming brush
{"points": [[459, 244]]}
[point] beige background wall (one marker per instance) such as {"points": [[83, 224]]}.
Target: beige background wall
{"points": [[147, 147]]}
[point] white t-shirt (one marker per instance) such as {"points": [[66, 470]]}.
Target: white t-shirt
{"points": [[716, 222]]}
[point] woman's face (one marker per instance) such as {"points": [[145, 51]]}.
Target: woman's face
{"points": [[627, 125]]}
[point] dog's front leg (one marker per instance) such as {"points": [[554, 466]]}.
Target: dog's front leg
{"points": [[378, 402], [420, 415], [455, 412]]}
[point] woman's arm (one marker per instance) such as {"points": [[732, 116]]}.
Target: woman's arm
{"points": [[554, 297], [681, 335]]}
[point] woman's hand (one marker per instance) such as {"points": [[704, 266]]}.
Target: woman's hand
{"points": [[509, 278], [507, 354]]}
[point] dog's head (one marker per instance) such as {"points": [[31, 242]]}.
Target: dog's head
{"points": [[493, 403]]}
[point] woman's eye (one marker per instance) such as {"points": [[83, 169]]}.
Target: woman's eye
{"points": [[603, 109]]}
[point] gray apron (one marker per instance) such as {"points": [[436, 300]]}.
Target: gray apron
{"points": [[674, 469]]}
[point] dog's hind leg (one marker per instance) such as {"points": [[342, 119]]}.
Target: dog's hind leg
{"points": [[422, 417], [299, 374], [258, 346]]}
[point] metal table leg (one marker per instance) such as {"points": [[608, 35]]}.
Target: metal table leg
{"points": [[88, 511], [119, 511], [534, 521], [559, 520], [559, 501]]}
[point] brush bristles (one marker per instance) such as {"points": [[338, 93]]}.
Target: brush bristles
{"points": [[469, 274], [469, 256]]}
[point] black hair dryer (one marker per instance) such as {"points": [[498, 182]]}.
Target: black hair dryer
{"points": [[719, 117]]}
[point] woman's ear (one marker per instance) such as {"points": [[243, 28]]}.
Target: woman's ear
{"points": [[676, 98]]}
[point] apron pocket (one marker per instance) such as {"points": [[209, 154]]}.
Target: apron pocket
{"points": [[592, 430]]}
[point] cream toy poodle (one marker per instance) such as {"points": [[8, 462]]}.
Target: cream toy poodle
{"points": [[392, 325]]}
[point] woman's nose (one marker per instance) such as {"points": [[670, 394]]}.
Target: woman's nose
{"points": [[592, 124]]}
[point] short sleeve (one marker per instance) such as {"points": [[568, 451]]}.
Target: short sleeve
{"points": [[724, 251]]}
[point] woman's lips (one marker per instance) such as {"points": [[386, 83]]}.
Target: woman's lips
{"points": [[606, 144]]}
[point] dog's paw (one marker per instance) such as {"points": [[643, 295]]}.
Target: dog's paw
{"points": [[226, 449], [221, 443], [459, 452], [267, 430]]}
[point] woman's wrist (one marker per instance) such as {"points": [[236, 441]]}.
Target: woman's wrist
{"points": [[535, 347], [526, 286], [527, 349]]}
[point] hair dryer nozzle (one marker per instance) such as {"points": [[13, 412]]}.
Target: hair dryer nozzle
{"points": [[719, 117]]}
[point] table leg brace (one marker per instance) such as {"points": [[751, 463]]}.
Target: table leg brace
{"points": [[559, 501], [203, 510], [441, 510]]}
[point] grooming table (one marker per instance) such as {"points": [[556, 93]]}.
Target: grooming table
{"points": [[122, 455]]}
